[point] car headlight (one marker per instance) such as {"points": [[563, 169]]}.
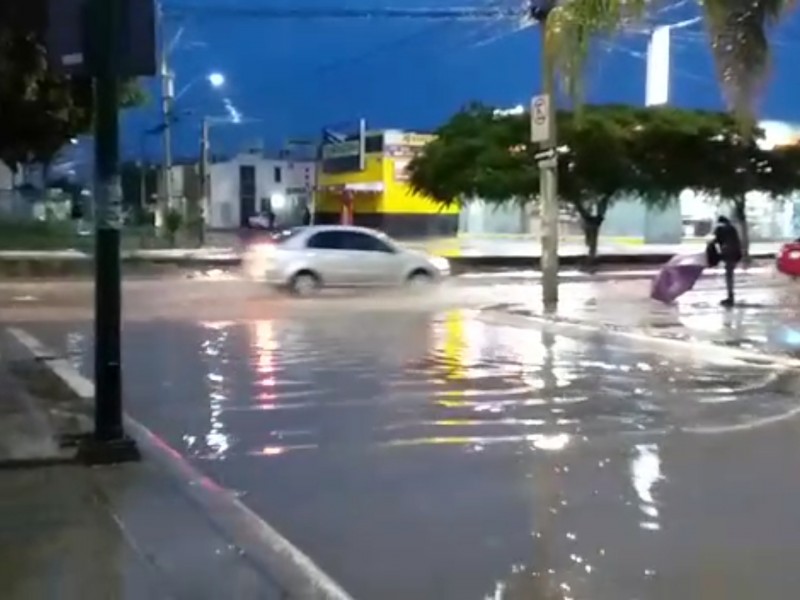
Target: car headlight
{"points": [[441, 263]]}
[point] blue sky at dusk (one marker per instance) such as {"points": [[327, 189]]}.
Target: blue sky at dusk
{"points": [[293, 77]]}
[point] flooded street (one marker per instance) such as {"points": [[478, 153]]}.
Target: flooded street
{"points": [[416, 449]]}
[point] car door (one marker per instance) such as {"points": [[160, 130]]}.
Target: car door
{"points": [[377, 261], [329, 256]]}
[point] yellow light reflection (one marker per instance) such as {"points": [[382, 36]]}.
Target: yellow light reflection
{"points": [[264, 346]]}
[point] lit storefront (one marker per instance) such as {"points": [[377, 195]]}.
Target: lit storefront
{"points": [[372, 190]]}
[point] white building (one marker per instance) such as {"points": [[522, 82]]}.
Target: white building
{"points": [[252, 184]]}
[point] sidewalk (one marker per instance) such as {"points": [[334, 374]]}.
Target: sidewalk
{"points": [[766, 320], [465, 254], [610, 250], [71, 532]]}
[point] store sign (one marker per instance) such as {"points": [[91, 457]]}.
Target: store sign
{"points": [[401, 169], [417, 139], [408, 139], [340, 150]]}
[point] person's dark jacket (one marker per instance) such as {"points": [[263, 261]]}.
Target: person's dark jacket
{"points": [[728, 243]]}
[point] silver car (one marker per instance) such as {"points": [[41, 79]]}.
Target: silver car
{"points": [[305, 259]]}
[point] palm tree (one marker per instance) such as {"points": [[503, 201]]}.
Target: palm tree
{"points": [[737, 31]]}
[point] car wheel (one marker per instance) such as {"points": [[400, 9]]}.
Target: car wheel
{"points": [[419, 280], [304, 283]]}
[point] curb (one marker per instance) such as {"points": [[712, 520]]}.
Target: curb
{"points": [[18, 265], [534, 262], [274, 555], [693, 346]]}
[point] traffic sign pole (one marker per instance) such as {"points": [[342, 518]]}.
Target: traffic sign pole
{"points": [[543, 133]]}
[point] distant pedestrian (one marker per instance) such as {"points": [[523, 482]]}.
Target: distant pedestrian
{"points": [[270, 220], [729, 249], [306, 217]]}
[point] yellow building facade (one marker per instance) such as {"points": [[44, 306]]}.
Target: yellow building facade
{"points": [[366, 184]]}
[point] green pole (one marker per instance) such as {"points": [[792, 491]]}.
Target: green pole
{"points": [[109, 443]]}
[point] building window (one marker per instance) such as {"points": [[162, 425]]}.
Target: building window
{"points": [[278, 174]]}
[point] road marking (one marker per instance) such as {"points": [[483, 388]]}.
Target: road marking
{"points": [[293, 570]]}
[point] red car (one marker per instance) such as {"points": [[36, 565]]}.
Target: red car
{"points": [[788, 260]]}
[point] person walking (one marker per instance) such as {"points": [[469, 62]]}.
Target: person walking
{"points": [[729, 249]]}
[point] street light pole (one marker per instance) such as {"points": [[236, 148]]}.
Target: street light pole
{"points": [[205, 177], [167, 93]]}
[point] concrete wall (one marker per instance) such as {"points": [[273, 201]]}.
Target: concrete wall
{"points": [[477, 217], [631, 218], [287, 196]]}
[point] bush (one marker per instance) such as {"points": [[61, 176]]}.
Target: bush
{"points": [[172, 223], [40, 235]]}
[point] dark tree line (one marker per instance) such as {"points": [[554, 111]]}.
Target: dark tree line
{"points": [[607, 153]]}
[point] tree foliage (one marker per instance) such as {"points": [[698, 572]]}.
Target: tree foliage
{"points": [[737, 33], [607, 153], [40, 109]]}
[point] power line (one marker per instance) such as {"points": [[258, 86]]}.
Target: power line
{"points": [[430, 14]]}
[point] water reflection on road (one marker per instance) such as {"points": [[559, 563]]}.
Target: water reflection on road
{"points": [[418, 455]]}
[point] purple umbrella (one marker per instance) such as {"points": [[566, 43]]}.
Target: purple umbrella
{"points": [[678, 276]]}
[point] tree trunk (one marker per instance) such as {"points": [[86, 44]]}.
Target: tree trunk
{"points": [[739, 209], [591, 234]]}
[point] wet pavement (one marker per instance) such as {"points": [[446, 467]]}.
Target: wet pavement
{"points": [[766, 318], [415, 449]]}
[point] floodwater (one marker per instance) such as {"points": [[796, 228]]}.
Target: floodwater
{"points": [[430, 453]]}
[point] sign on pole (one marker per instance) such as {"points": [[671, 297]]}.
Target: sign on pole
{"points": [[71, 45], [541, 122]]}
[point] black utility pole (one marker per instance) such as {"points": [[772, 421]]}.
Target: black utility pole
{"points": [[105, 40], [109, 444]]}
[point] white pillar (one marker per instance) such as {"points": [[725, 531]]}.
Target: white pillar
{"points": [[658, 51], [660, 226]]}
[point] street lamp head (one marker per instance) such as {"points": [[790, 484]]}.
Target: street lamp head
{"points": [[216, 79], [539, 10]]}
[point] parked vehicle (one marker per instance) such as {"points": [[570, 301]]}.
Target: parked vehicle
{"points": [[305, 259], [788, 259]]}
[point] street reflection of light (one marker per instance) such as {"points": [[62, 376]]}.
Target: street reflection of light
{"points": [[272, 451], [645, 473], [498, 593], [217, 325], [213, 348], [792, 337], [264, 347], [552, 443], [541, 363], [281, 450], [460, 339], [491, 422]]}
